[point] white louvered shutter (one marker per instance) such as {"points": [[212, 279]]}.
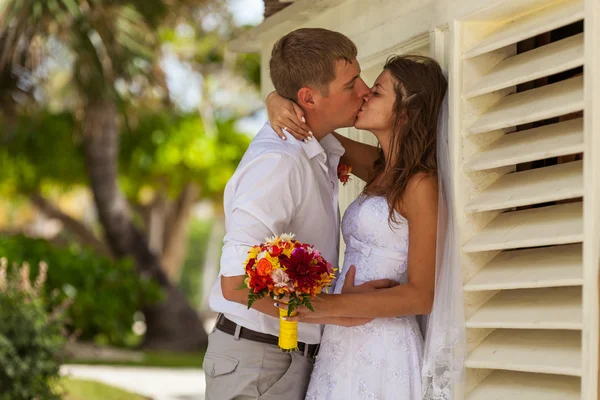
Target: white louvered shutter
{"points": [[521, 232]]}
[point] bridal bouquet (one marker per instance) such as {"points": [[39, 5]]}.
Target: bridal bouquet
{"points": [[280, 267]]}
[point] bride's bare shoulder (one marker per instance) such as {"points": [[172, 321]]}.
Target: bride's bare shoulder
{"points": [[420, 195]]}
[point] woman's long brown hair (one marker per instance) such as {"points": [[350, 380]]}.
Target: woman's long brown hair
{"points": [[420, 87]]}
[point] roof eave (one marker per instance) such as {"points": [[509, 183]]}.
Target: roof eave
{"points": [[280, 23]]}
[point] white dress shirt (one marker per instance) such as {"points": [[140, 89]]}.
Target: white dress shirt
{"points": [[279, 187]]}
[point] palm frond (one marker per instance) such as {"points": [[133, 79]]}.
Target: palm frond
{"points": [[73, 7], [22, 25]]}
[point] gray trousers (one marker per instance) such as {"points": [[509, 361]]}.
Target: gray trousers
{"points": [[242, 369]]}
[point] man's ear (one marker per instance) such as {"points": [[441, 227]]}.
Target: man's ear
{"points": [[306, 97]]}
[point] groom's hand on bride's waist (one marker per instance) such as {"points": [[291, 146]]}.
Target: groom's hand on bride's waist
{"points": [[370, 286]]}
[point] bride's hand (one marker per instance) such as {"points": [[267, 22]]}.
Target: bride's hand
{"points": [[320, 307], [370, 286], [318, 316], [285, 114]]}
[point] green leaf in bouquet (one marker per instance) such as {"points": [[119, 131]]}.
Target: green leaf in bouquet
{"points": [[309, 305], [291, 308], [252, 297], [250, 302], [242, 286]]}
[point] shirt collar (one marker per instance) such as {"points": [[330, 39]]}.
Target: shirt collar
{"points": [[328, 144], [332, 145]]}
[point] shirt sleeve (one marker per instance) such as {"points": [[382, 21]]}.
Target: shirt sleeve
{"points": [[267, 193]]}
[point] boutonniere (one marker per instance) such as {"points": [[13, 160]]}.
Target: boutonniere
{"points": [[343, 172]]}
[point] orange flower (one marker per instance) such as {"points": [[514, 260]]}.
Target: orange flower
{"points": [[264, 267]]}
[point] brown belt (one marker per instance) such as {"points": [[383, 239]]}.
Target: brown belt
{"points": [[229, 327]]}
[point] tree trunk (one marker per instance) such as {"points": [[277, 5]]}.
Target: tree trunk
{"points": [[155, 226], [171, 324]]}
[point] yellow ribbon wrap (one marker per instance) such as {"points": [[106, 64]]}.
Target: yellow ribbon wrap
{"points": [[288, 333]]}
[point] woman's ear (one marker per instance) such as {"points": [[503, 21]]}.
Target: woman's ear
{"points": [[306, 98]]}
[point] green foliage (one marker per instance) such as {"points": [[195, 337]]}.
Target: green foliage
{"points": [[31, 339], [165, 151], [41, 148], [106, 293], [248, 65], [162, 150]]}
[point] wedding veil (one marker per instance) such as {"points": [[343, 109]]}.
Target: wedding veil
{"points": [[445, 337]]}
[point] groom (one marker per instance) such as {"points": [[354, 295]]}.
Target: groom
{"points": [[279, 187]]}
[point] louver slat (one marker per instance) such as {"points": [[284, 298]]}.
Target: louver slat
{"points": [[531, 268], [541, 351], [549, 101], [508, 385], [557, 182], [534, 144], [544, 61], [560, 224], [548, 308], [535, 23]]}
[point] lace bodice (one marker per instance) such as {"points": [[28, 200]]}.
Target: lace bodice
{"points": [[369, 234]]}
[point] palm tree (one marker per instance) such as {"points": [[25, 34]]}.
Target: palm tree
{"points": [[111, 41]]}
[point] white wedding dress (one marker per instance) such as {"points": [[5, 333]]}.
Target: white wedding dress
{"points": [[380, 360]]}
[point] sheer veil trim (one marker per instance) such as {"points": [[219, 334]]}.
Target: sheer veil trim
{"points": [[445, 337]]}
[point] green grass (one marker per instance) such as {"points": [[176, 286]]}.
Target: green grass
{"points": [[77, 389], [152, 359]]}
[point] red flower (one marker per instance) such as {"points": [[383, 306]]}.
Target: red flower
{"points": [[257, 283], [250, 264], [343, 172], [276, 251], [302, 270]]}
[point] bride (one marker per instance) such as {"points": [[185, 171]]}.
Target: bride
{"points": [[399, 229]]}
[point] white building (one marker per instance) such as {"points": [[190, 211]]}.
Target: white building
{"points": [[530, 244]]}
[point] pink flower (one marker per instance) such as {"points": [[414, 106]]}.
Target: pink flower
{"points": [[280, 278]]}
